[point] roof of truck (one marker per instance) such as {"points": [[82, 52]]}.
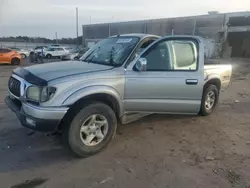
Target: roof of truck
{"points": [[140, 35]]}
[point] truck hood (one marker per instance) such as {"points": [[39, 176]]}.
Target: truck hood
{"points": [[50, 71]]}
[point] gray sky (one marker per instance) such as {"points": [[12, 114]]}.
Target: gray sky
{"points": [[44, 17]]}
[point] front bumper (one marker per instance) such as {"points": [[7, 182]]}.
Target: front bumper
{"points": [[34, 117]]}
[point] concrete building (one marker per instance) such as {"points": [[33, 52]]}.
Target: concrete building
{"points": [[226, 34]]}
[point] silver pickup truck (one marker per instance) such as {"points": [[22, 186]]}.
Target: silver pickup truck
{"points": [[123, 77]]}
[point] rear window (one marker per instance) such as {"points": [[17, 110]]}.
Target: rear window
{"points": [[15, 48], [51, 49], [3, 50]]}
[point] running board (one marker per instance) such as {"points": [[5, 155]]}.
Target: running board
{"points": [[130, 117]]}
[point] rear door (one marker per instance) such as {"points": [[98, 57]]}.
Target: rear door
{"points": [[60, 51], [173, 80]]}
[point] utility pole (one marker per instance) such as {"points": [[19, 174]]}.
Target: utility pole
{"points": [[77, 26], [109, 30], [56, 38]]}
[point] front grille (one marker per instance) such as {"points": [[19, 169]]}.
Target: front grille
{"points": [[14, 86]]}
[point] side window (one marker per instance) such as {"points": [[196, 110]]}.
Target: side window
{"points": [[158, 57], [51, 49], [171, 55], [143, 46], [184, 55]]}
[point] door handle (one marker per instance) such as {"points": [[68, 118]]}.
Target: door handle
{"points": [[191, 81]]}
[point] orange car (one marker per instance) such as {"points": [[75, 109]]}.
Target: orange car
{"points": [[8, 56]]}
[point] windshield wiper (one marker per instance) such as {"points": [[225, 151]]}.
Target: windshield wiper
{"points": [[91, 53], [111, 58]]}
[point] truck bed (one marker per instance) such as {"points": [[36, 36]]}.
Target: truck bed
{"points": [[220, 69]]}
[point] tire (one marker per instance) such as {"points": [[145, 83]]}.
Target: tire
{"points": [[75, 139], [15, 61], [48, 56], [23, 56], [206, 108]]}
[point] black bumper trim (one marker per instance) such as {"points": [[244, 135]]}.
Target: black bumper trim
{"points": [[41, 125]]}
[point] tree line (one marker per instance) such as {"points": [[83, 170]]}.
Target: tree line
{"points": [[41, 40]]}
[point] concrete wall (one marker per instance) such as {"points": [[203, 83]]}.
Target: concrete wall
{"points": [[213, 27], [205, 26]]}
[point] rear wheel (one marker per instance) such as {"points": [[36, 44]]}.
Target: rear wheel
{"points": [[23, 56], [91, 130], [209, 100], [49, 56], [15, 61]]}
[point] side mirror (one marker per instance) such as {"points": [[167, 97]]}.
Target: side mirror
{"points": [[141, 64]]}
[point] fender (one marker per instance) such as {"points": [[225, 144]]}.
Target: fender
{"points": [[211, 77], [90, 90]]}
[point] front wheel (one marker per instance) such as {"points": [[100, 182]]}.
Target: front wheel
{"points": [[209, 100], [15, 61], [91, 130]]}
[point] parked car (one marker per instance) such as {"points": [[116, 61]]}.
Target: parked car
{"points": [[38, 49], [8, 56], [55, 52], [74, 54], [85, 99], [23, 52]]}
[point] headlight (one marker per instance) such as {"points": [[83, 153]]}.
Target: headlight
{"points": [[40, 94], [33, 93]]}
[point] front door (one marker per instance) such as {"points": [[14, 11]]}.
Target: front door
{"points": [[173, 80]]}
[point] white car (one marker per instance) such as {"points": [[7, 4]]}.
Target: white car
{"points": [[55, 52]]}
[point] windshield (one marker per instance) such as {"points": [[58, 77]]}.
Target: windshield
{"points": [[111, 51]]}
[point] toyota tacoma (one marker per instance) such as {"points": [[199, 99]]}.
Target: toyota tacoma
{"points": [[120, 79]]}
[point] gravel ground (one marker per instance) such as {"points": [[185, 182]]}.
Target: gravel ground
{"points": [[156, 151]]}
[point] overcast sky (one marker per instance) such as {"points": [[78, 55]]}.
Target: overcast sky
{"points": [[44, 17]]}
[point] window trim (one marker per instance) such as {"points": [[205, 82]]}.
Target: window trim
{"points": [[129, 60], [194, 40]]}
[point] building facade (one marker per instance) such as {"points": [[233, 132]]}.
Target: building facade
{"points": [[226, 34]]}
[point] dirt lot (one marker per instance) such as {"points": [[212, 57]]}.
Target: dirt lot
{"points": [[157, 151]]}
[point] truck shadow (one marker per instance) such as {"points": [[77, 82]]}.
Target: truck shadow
{"points": [[19, 150]]}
